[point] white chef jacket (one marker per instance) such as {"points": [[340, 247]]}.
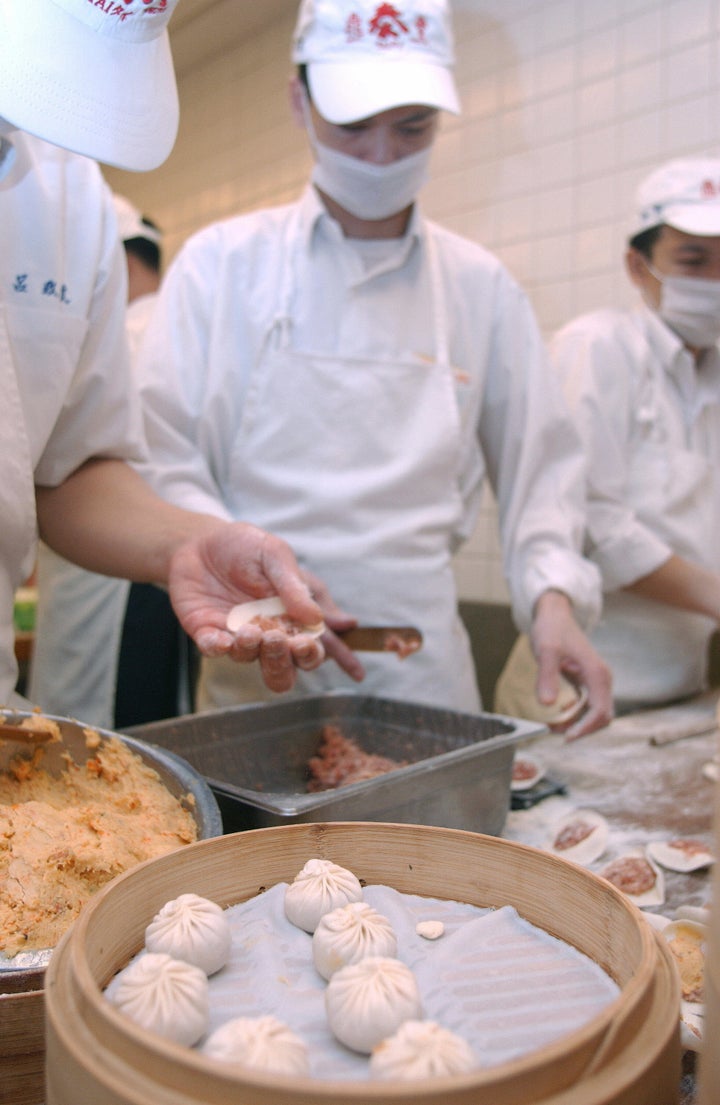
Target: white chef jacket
{"points": [[80, 615], [218, 304], [650, 420], [137, 315], [64, 370]]}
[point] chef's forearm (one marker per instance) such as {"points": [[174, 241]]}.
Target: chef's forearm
{"points": [[682, 584], [105, 518]]}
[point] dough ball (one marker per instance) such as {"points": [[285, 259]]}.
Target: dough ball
{"points": [[193, 929], [163, 995], [368, 1001], [348, 934], [263, 1043], [318, 888], [421, 1049]]}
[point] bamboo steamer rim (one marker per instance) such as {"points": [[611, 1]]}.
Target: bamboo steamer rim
{"points": [[625, 1080], [85, 959]]}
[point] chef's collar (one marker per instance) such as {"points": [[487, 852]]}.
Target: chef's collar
{"points": [[665, 343], [707, 375], [313, 211], [697, 382], [7, 148]]}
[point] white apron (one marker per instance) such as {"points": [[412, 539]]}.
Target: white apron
{"points": [[17, 510], [355, 461], [77, 640]]}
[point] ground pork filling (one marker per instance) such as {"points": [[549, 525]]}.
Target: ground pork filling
{"points": [[62, 838], [340, 761]]}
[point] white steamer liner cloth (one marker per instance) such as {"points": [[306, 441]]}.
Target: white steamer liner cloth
{"points": [[503, 984]]}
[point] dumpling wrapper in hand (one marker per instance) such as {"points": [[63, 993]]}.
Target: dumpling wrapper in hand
{"points": [[422, 1049], [163, 995], [348, 934], [263, 1043], [368, 1001], [321, 886], [270, 614], [193, 929]]}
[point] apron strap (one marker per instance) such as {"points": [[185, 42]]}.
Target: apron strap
{"points": [[282, 319], [439, 303]]}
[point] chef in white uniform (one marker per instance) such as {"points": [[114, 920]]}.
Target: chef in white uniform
{"points": [[142, 241], [87, 622], [644, 386], [98, 80], [345, 372]]}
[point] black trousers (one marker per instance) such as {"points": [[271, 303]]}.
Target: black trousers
{"points": [[158, 662]]}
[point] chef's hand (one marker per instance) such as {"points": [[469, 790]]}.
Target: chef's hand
{"points": [[560, 646], [336, 620], [232, 563]]}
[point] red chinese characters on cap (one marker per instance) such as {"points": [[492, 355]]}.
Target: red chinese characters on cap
{"points": [[387, 23], [122, 9], [710, 189], [387, 26]]}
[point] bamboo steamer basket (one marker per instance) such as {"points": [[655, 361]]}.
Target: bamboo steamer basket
{"points": [[96, 1054]]}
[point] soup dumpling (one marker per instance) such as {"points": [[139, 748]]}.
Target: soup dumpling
{"points": [[348, 934], [367, 1001]]}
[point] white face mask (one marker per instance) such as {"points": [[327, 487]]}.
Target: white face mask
{"points": [[363, 188], [7, 150], [690, 307], [367, 190]]}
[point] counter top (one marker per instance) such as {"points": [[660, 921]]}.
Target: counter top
{"points": [[646, 791]]}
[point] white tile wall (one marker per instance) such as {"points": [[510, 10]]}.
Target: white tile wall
{"points": [[567, 104]]}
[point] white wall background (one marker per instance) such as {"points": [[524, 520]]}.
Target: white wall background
{"points": [[567, 104]]}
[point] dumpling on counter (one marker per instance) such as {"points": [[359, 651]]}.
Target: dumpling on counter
{"points": [[637, 877], [581, 836], [369, 1000], [163, 995], [193, 929], [348, 934], [263, 1043], [422, 1049], [320, 887], [681, 854]]}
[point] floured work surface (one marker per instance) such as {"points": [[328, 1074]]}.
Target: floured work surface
{"points": [[646, 792], [503, 984]]}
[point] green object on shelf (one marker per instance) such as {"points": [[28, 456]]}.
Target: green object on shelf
{"points": [[24, 609]]}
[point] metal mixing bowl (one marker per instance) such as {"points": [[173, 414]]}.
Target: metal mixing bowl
{"points": [[24, 971]]}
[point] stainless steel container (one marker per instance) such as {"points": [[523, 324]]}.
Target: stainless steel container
{"points": [[178, 776], [23, 972], [255, 759]]}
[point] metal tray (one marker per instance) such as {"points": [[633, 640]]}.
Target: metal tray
{"points": [[255, 760]]}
